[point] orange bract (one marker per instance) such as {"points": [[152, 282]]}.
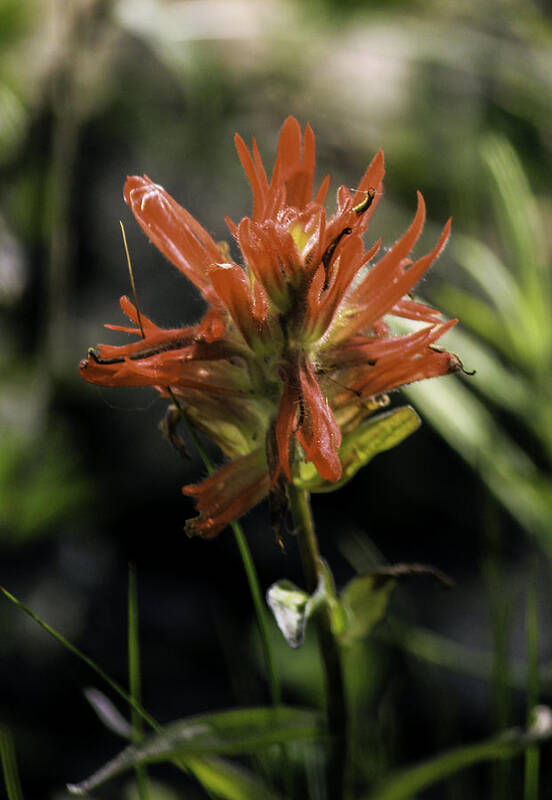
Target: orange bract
{"points": [[294, 347]]}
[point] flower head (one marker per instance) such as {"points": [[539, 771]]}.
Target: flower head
{"points": [[294, 350]]}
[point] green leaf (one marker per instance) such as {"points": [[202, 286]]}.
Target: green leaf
{"points": [[365, 601], [235, 732], [158, 791], [230, 781], [488, 271], [507, 744], [476, 314], [524, 238], [9, 765], [292, 607], [361, 445]]}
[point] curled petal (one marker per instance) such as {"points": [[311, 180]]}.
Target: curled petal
{"points": [[228, 493]]}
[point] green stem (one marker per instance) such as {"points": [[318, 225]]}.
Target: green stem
{"points": [[329, 646], [135, 680], [9, 765], [249, 566], [117, 688], [253, 580], [532, 754], [199, 767]]}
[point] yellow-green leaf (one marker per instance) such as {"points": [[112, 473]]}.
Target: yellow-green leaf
{"points": [[361, 445]]}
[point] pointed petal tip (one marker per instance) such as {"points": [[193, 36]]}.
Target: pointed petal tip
{"points": [[290, 120], [421, 201], [238, 141]]}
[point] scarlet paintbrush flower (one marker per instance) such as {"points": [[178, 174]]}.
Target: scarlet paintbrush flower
{"points": [[294, 351]]}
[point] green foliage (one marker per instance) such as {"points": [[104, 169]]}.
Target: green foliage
{"points": [[365, 600], [40, 485], [510, 348], [9, 765], [506, 745], [157, 791], [234, 732], [361, 445], [168, 83]]}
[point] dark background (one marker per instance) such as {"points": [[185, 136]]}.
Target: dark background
{"points": [[92, 91]]}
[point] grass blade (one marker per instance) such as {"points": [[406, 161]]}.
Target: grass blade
{"points": [[236, 732], [532, 755], [9, 765], [523, 236], [216, 775], [506, 745], [135, 681], [83, 657]]}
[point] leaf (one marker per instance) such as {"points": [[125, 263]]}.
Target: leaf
{"points": [[476, 314], [230, 781], [488, 271], [361, 445], [291, 607], [524, 238], [9, 765], [235, 732], [365, 600], [507, 744], [157, 791]]}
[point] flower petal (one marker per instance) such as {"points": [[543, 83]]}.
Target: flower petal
{"points": [[173, 230], [228, 493]]}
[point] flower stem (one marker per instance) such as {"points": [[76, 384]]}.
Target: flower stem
{"points": [[335, 688], [253, 580], [250, 570]]}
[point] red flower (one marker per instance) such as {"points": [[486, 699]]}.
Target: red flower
{"points": [[294, 350]]}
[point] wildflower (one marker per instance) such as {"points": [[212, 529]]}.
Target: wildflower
{"points": [[294, 351]]}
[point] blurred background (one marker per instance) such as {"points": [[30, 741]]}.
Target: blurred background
{"points": [[458, 92]]}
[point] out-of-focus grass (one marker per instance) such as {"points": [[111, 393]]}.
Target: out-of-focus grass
{"points": [[507, 309]]}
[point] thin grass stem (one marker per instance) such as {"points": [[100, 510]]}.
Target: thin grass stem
{"points": [[9, 765], [249, 566], [191, 765], [135, 678], [532, 754], [117, 688], [500, 609]]}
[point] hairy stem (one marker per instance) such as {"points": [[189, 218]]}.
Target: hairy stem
{"points": [[335, 689]]}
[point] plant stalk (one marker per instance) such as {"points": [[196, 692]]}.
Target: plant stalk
{"points": [[336, 708]]}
